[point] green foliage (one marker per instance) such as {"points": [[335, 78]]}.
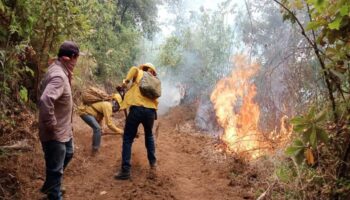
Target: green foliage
{"points": [[330, 23], [113, 45], [285, 173], [23, 93], [171, 52], [309, 133], [199, 49], [101, 29], [141, 14]]}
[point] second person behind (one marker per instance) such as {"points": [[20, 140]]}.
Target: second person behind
{"points": [[94, 114]]}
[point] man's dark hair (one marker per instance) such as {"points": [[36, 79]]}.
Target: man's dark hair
{"points": [[69, 49]]}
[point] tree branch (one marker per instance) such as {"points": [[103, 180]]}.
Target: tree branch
{"points": [[317, 52]]}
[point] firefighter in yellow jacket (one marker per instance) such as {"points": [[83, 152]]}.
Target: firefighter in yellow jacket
{"points": [[142, 110], [93, 115]]}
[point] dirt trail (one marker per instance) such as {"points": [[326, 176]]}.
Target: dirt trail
{"points": [[186, 170]]}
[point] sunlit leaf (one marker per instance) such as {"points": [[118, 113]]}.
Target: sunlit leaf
{"points": [[2, 7], [319, 4], [344, 10], [313, 25], [336, 23], [23, 94]]}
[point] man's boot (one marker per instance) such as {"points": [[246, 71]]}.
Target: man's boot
{"points": [[152, 171], [122, 175], [94, 152]]}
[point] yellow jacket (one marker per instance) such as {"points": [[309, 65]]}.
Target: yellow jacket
{"points": [[133, 96], [100, 110]]}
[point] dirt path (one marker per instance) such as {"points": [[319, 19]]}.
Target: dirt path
{"points": [[185, 168]]}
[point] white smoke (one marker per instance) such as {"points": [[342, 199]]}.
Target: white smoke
{"points": [[171, 96]]}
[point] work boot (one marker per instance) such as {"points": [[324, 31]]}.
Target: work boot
{"points": [[63, 190], [122, 175], [45, 190], [94, 152], [153, 166], [152, 171]]}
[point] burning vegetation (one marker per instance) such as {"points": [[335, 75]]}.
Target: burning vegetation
{"points": [[238, 113]]}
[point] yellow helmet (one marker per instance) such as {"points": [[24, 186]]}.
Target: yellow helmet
{"points": [[116, 97], [149, 65]]}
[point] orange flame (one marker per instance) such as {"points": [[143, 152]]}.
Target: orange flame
{"points": [[236, 111]]}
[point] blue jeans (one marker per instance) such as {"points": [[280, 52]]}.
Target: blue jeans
{"points": [[57, 157], [138, 115], [96, 137]]}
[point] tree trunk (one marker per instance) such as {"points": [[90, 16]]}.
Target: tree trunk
{"points": [[123, 14]]}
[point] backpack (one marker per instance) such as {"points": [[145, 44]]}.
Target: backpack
{"points": [[150, 86], [93, 94]]}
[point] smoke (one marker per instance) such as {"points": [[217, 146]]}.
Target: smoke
{"points": [[171, 96], [179, 84], [206, 119]]}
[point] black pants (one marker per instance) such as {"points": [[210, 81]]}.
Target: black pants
{"points": [[57, 157], [138, 115]]}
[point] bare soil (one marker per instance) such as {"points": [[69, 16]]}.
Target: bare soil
{"points": [[189, 166]]}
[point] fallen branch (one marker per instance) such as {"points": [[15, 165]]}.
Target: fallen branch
{"points": [[18, 146], [110, 133], [264, 194]]}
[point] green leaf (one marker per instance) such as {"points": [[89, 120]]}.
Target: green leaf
{"points": [[331, 51], [313, 137], [320, 116], [299, 157], [23, 93], [300, 128], [2, 7], [27, 69], [306, 135], [344, 10], [322, 135], [313, 25], [311, 113], [298, 143], [320, 2], [336, 23], [297, 121], [293, 150], [284, 173]]}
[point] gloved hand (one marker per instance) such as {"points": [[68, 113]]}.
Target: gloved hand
{"points": [[119, 88], [125, 83], [119, 131]]}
